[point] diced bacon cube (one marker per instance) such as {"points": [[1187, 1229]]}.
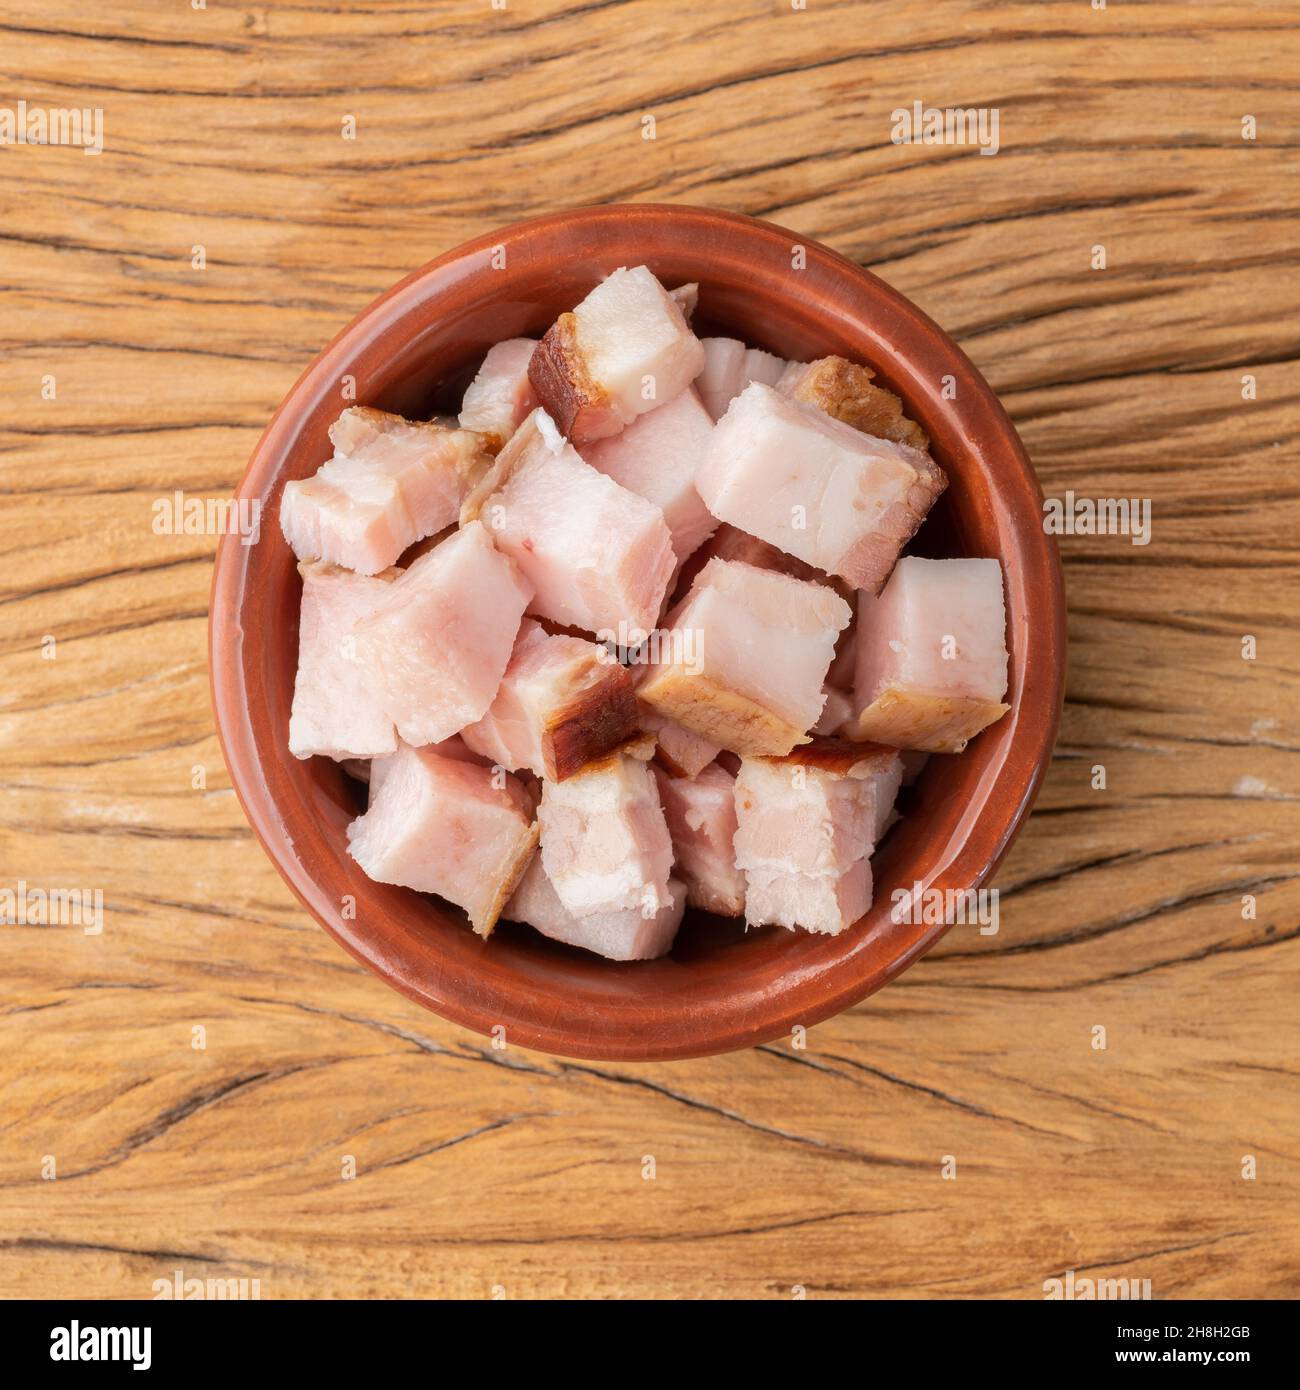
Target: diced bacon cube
{"points": [[818, 809], [729, 366], [443, 825], [762, 366], [347, 515], [845, 390], [563, 702], [746, 658], [657, 457], [832, 496], [377, 768], [680, 752], [719, 381], [605, 843], [597, 555], [625, 935], [823, 903], [337, 710], [932, 655], [390, 483], [624, 350], [434, 466], [806, 826], [500, 396], [441, 636], [701, 815]]}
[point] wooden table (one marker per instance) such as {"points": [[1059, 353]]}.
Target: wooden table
{"points": [[1169, 376]]}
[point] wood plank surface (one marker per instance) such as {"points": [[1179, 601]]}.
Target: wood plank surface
{"points": [[818, 1168]]}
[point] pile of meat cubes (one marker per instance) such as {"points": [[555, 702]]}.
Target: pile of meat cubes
{"points": [[633, 632]]}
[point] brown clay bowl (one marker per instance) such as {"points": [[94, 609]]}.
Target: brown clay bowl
{"points": [[721, 988]]}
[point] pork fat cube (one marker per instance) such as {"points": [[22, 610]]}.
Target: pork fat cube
{"points": [[626, 935], [337, 711], [817, 810], [762, 366], [832, 496], [596, 554], [806, 826], [443, 825], [500, 396], [746, 659], [701, 815], [605, 843], [657, 457], [448, 748], [719, 381], [932, 655], [563, 702], [680, 752], [823, 903], [346, 515], [441, 636], [624, 350], [433, 465], [390, 483], [729, 366]]}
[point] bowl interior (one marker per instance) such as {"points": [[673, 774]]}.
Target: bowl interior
{"points": [[412, 352]]}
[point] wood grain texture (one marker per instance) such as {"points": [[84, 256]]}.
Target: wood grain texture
{"points": [[817, 1167]]}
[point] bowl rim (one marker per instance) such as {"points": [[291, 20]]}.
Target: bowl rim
{"points": [[703, 1032]]}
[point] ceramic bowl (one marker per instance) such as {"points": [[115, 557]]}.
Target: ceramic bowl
{"points": [[412, 351]]}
